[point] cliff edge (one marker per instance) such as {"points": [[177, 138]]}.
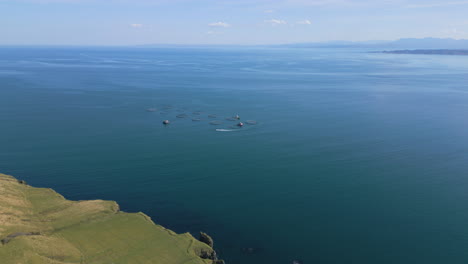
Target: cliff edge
{"points": [[38, 225]]}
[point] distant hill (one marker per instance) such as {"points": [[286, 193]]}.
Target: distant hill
{"points": [[406, 43], [335, 44], [429, 43], [400, 44], [430, 52]]}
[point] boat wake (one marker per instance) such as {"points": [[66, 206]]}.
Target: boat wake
{"points": [[225, 130]]}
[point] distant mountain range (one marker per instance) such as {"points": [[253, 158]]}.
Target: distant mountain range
{"points": [[400, 44], [406, 43], [430, 52]]}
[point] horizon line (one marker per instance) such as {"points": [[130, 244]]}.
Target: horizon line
{"points": [[330, 42]]}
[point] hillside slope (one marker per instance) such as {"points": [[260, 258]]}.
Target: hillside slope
{"points": [[38, 225]]}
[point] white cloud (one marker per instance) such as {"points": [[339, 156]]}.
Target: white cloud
{"points": [[219, 24], [304, 22], [136, 25], [275, 22]]}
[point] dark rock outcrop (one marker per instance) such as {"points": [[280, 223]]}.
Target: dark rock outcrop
{"points": [[205, 238], [208, 255]]}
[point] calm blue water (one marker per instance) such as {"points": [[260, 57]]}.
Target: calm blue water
{"points": [[356, 158]]}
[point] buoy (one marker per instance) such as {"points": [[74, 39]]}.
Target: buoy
{"points": [[166, 122]]}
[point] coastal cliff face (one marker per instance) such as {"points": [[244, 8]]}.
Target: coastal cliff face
{"points": [[38, 225]]}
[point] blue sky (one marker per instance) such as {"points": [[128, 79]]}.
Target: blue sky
{"points": [[128, 22]]}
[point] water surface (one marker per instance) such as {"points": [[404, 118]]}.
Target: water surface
{"points": [[356, 157]]}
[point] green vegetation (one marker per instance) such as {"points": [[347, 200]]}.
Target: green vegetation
{"points": [[38, 226]]}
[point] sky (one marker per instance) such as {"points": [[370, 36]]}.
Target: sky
{"points": [[244, 22]]}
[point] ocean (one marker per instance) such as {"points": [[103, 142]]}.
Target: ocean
{"points": [[354, 157]]}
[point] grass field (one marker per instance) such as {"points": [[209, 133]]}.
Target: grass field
{"points": [[38, 225]]}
